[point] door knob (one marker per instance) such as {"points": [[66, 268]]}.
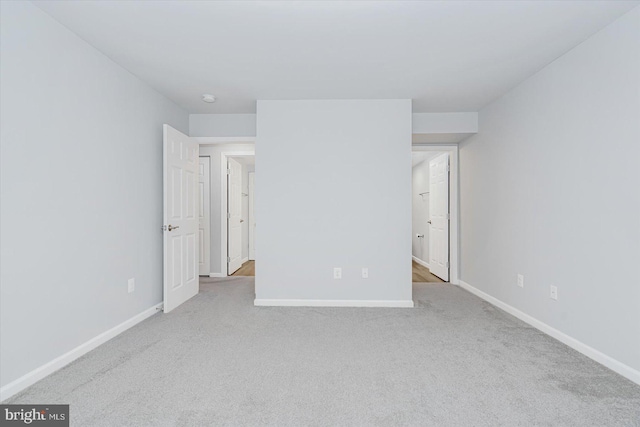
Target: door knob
{"points": [[429, 222], [171, 227]]}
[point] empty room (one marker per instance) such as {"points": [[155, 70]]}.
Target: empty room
{"points": [[319, 213]]}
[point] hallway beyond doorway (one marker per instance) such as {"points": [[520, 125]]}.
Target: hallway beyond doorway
{"points": [[421, 274], [247, 269]]}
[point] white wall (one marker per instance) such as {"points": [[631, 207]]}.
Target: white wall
{"points": [[440, 128], [550, 189], [213, 151], [349, 206], [420, 210], [442, 123], [222, 125], [81, 188]]}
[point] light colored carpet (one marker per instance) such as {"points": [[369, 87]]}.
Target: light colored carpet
{"points": [[454, 360]]}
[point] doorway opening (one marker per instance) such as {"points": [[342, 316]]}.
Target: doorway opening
{"points": [[434, 214], [240, 216], [228, 205]]}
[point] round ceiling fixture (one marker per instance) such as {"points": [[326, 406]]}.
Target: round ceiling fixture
{"points": [[208, 98]]}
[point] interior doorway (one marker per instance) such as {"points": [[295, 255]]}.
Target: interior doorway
{"points": [[240, 217], [218, 151], [434, 214]]}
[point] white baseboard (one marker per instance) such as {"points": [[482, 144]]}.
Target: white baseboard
{"points": [[331, 303], [244, 260], [421, 262], [217, 275], [611, 363], [48, 368]]}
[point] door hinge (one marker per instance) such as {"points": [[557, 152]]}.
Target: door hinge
{"points": [[228, 171], [448, 216], [228, 259], [228, 215], [447, 264], [448, 169]]}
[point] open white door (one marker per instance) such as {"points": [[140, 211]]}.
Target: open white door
{"points": [[252, 216], [439, 216], [180, 216], [234, 216], [204, 181]]}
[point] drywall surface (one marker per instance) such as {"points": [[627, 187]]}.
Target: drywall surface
{"points": [[445, 123], [428, 127], [81, 188], [222, 125], [349, 206], [549, 189], [420, 210]]}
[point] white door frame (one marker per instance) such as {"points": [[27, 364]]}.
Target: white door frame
{"points": [[252, 220], [223, 202], [454, 226]]}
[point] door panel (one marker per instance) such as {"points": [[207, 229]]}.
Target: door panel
{"points": [[176, 253], [190, 189], [180, 204], [234, 206], [204, 212], [439, 216]]}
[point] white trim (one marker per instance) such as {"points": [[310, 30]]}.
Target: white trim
{"points": [[252, 237], [331, 303], [217, 275], [59, 362], [223, 202], [611, 363], [244, 260], [419, 261], [454, 226], [215, 140]]}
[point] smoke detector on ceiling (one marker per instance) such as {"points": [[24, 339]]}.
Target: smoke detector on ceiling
{"points": [[208, 98]]}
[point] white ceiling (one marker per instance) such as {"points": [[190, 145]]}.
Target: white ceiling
{"points": [[446, 56], [245, 160]]}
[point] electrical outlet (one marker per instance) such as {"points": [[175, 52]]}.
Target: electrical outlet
{"points": [[337, 273], [553, 292], [365, 273], [521, 280], [132, 285]]}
